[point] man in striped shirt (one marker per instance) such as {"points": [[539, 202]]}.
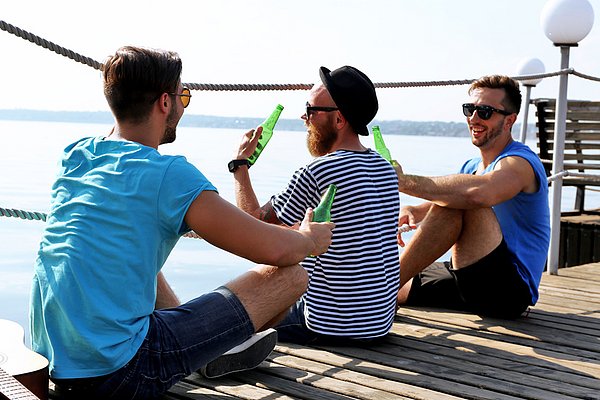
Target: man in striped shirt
{"points": [[352, 288]]}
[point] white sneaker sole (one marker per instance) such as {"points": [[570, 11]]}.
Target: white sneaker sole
{"points": [[247, 355]]}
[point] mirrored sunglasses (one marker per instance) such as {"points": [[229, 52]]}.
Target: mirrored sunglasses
{"points": [[185, 96]]}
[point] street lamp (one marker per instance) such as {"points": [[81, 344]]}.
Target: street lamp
{"points": [[532, 66], [565, 22]]}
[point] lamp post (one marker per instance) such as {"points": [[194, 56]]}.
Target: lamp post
{"points": [[532, 66], [565, 22]]}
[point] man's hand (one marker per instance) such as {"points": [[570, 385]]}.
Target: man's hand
{"points": [[406, 222], [319, 232], [397, 167], [248, 144]]}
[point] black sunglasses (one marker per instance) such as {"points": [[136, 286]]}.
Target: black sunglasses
{"points": [[483, 112], [310, 109]]}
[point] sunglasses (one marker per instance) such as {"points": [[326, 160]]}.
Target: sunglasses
{"points": [[311, 109], [483, 112], [185, 96]]}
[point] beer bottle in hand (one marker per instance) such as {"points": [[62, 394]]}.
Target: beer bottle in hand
{"points": [[267, 131]]}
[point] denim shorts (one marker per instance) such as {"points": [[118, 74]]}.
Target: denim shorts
{"points": [[180, 340], [293, 329]]}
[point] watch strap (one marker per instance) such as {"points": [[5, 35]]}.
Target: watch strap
{"points": [[233, 165]]}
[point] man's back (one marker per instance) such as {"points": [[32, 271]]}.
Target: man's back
{"points": [[117, 211], [353, 286]]}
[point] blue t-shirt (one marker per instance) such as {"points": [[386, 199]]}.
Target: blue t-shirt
{"points": [[524, 219], [117, 211]]}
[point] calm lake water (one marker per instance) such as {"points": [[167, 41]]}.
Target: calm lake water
{"points": [[28, 157]]}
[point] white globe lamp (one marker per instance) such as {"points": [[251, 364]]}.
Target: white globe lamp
{"points": [[567, 22], [531, 66]]}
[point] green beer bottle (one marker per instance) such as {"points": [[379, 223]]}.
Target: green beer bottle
{"points": [[322, 213], [267, 132], [380, 144], [381, 147]]}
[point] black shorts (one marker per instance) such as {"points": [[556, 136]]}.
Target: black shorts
{"points": [[492, 286]]}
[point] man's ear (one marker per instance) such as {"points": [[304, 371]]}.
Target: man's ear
{"points": [[510, 121], [164, 102], [340, 120]]}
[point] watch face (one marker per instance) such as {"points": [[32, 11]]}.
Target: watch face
{"points": [[232, 167]]}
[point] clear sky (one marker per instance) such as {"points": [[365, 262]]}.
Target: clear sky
{"points": [[279, 41]]}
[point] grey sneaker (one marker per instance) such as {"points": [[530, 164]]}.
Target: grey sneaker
{"points": [[245, 356]]}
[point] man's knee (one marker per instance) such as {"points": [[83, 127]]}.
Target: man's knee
{"points": [[299, 277], [266, 291]]}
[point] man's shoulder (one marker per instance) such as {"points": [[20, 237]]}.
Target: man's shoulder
{"points": [[520, 150]]}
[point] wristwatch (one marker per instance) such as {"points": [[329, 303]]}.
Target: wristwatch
{"points": [[233, 165]]}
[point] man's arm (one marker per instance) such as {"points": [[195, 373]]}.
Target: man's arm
{"points": [[245, 197], [225, 226], [510, 176]]}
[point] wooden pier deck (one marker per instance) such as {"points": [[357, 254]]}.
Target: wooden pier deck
{"points": [[553, 353], [434, 354]]}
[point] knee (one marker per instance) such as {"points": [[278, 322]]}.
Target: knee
{"points": [[299, 279]]}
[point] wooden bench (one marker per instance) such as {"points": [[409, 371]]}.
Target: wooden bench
{"points": [[582, 145]]}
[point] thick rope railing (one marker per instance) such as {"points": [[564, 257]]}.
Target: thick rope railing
{"points": [[40, 216], [28, 215], [5, 26]]}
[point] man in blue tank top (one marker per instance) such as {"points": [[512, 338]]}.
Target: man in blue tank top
{"points": [[493, 215], [101, 310]]}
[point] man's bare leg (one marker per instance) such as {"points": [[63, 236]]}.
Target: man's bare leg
{"points": [[437, 233], [472, 234], [268, 292], [165, 296], [479, 236]]}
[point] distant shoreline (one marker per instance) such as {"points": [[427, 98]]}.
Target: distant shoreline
{"points": [[396, 127]]}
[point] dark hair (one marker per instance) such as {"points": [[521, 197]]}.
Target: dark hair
{"points": [[135, 77], [512, 99]]}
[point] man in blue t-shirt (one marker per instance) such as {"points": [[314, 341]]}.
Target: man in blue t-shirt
{"points": [[493, 215], [101, 310]]}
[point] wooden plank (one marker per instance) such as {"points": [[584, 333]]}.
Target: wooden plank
{"points": [[565, 298], [391, 369], [564, 292], [433, 351], [291, 382], [519, 337], [586, 271], [572, 283], [230, 386], [531, 382], [575, 321], [488, 378], [566, 312], [498, 347], [189, 391], [336, 380], [307, 361]]}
